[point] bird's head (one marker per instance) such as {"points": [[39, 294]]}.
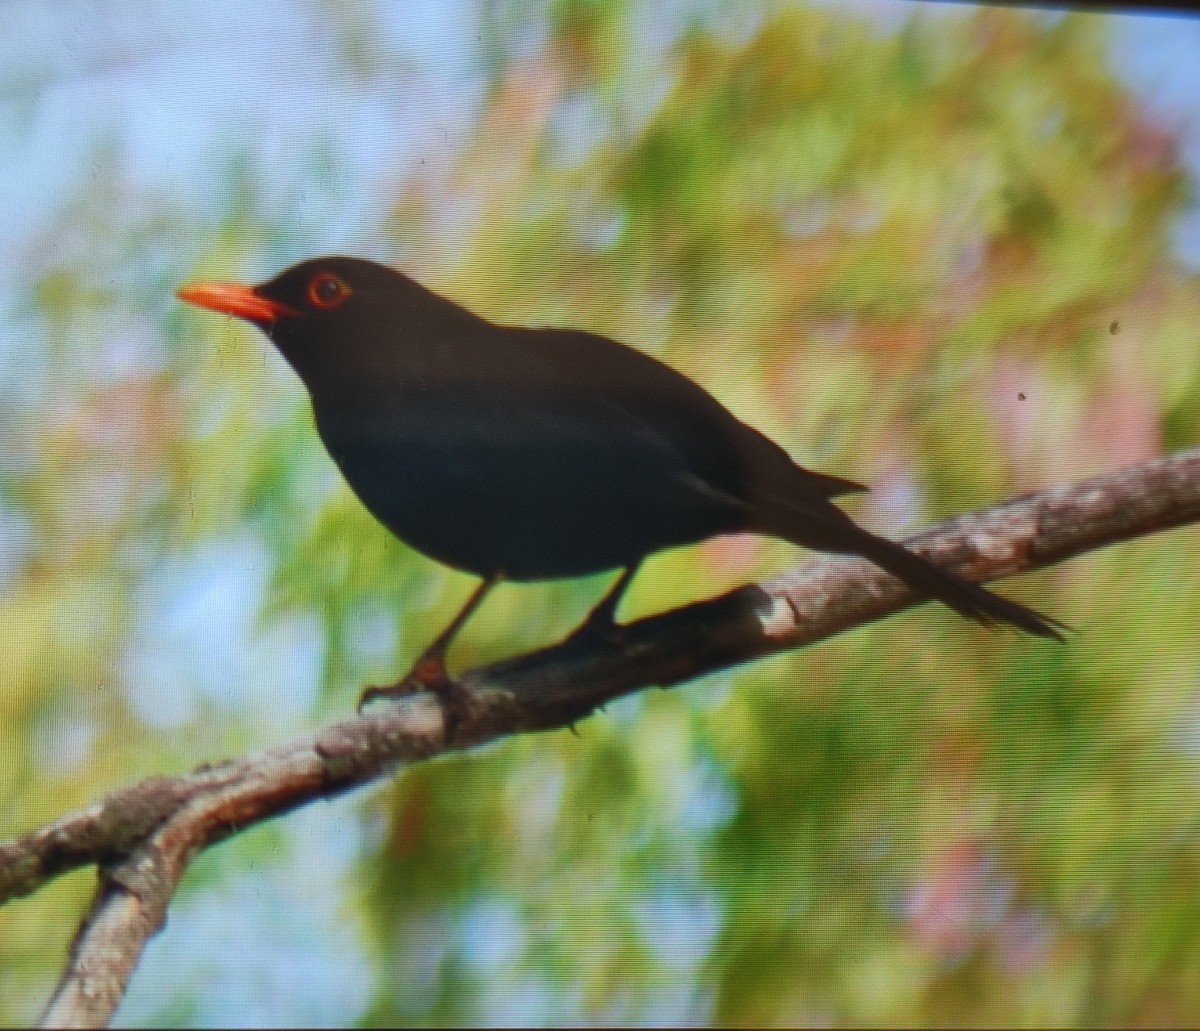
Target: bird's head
{"points": [[328, 312]]}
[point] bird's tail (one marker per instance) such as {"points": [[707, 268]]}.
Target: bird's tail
{"points": [[830, 529]]}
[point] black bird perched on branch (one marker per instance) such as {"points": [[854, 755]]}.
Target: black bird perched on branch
{"points": [[534, 454]]}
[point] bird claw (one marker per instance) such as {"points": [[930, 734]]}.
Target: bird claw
{"points": [[457, 702], [596, 632], [458, 705], [403, 689]]}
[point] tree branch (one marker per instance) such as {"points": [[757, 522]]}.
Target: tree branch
{"points": [[145, 835]]}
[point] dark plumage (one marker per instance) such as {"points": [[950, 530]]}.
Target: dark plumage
{"points": [[531, 454]]}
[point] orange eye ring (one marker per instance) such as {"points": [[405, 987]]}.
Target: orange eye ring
{"points": [[325, 290]]}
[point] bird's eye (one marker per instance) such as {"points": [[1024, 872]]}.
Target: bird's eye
{"points": [[326, 290]]}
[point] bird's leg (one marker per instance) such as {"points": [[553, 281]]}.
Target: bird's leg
{"points": [[429, 673], [601, 623]]}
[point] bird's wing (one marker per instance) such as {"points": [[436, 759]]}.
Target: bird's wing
{"points": [[724, 452], [516, 466], [508, 414]]}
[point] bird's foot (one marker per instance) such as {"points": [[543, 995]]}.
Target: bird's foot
{"points": [[402, 689], [599, 632], [429, 674]]}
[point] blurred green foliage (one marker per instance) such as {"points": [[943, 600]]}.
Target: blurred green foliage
{"points": [[934, 259]]}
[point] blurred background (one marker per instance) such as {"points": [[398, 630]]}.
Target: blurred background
{"points": [[948, 251]]}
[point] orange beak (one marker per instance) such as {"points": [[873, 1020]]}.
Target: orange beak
{"points": [[233, 299]]}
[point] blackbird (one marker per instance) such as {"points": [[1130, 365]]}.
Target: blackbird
{"points": [[533, 454]]}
